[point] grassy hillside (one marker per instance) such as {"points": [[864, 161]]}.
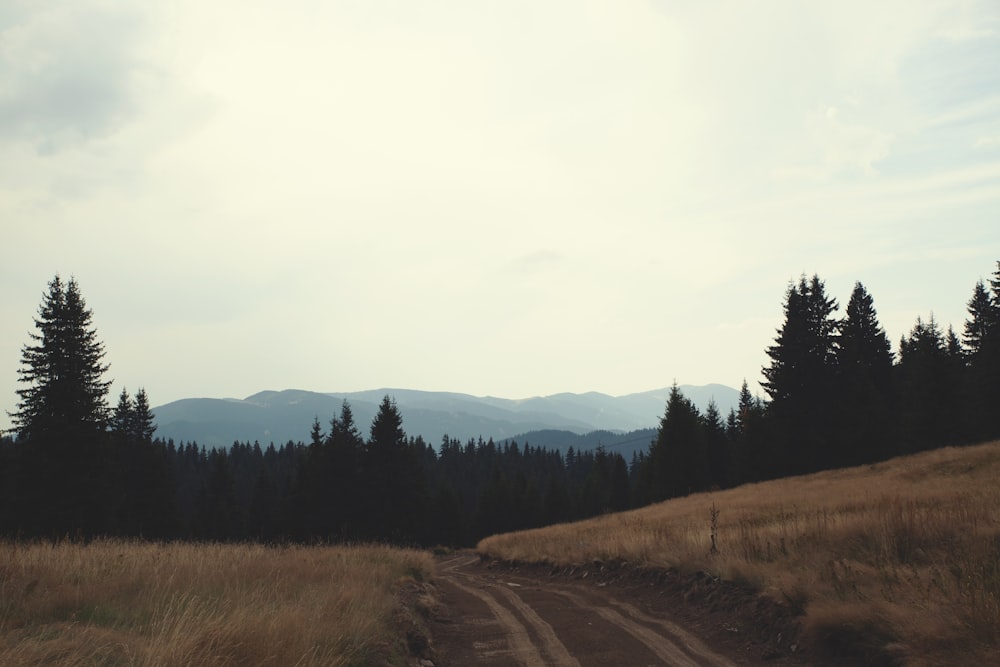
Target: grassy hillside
{"points": [[121, 603], [899, 559]]}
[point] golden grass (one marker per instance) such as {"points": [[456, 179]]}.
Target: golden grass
{"points": [[131, 603], [902, 557]]}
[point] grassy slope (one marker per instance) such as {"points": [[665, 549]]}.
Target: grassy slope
{"points": [[129, 603], [902, 557]]}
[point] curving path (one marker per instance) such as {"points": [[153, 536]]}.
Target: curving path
{"points": [[495, 619]]}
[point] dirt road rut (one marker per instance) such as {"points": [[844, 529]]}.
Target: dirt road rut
{"points": [[503, 618]]}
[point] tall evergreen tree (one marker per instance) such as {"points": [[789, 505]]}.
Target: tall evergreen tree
{"points": [[716, 446], [801, 378], [343, 430], [344, 467], [63, 370], [394, 476], [983, 317], [928, 388], [122, 416], [61, 417], [864, 391], [144, 421], [751, 451], [678, 458], [138, 472], [982, 344]]}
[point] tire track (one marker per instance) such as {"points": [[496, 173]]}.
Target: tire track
{"points": [[669, 649], [693, 645], [555, 648], [517, 635], [562, 625]]}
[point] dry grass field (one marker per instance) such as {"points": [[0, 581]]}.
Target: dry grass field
{"points": [[131, 603], [899, 559]]}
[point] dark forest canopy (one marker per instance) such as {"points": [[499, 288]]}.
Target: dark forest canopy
{"points": [[837, 396]]}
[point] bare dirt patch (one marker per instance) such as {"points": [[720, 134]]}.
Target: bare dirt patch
{"points": [[502, 613]]}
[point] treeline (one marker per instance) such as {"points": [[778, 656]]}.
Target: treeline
{"points": [[837, 396], [340, 486], [80, 468]]}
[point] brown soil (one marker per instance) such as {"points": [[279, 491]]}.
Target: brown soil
{"points": [[493, 613]]}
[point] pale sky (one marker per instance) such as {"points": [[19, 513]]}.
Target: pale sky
{"points": [[497, 198]]}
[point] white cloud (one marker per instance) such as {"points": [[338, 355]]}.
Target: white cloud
{"points": [[69, 74], [508, 199]]}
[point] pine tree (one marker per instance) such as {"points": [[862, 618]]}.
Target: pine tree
{"points": [[800, 379], [752, 457], [717, 447], [864, 391], [316, 435], [983, 317], [344, 488], [62, 416], [143, 419], [804, 353], [863, 347], [63, 370], [395, 482], [123, 417], [387, 434], [142, 486], [343, 430], [982, 344], [678, 458], [927, 387]]}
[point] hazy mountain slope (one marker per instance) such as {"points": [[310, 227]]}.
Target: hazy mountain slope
{"points": [[280, 416], [614, 442]]}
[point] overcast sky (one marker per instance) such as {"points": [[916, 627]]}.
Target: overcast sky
{"points": [[498, 198]]}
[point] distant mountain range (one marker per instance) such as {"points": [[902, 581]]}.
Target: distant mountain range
{"points": [[280, 416]]}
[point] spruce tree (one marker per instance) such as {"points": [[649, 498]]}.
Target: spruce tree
{"points": [[804, 352], [983, 317], [717, 447], [864, 391], [800, 379], [61, 417], [679, 458], [143, 419], [751, 453], [982, 344], [63, 370], [395, 482], [928, 389], [123, 417]]}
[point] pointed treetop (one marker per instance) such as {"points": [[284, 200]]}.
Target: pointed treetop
{"points": [[63, 368]]}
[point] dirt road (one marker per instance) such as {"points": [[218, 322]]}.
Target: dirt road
{"points": [[501, 616]]}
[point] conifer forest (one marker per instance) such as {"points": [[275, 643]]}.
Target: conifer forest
{"points": [[79, 463]]}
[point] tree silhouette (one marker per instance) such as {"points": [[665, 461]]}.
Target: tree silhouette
{"points": [[61, 417], [927, 379], [982, 344], [394, 478], [864, 390], [801, 379], [679, 458], [63, 370]]}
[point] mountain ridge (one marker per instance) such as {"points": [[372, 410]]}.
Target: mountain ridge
{"points": [[287, 415]]}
